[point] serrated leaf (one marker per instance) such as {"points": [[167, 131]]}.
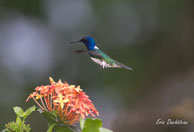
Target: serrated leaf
{"points": [[82, 122], [63, 129], [51, 127], [102, 129], [19, 111], [29, 111], [92, 125]]}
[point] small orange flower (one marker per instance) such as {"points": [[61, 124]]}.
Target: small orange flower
{"points": [[69, 101]]}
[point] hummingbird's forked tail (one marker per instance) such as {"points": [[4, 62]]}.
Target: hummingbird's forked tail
{"points": [[128, 68], [124, 66]]}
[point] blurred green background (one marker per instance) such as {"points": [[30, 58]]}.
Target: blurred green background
{"points": [[154, 37]]}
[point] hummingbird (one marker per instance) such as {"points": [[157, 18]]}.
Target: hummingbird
{"points": [[98, 56]]}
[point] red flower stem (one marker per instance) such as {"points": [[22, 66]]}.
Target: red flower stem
{"points": [[51, 100], [45, 100], [43, 104], [38, 103], [48, 102], [70, 115], [65, 110], [75, 119]]}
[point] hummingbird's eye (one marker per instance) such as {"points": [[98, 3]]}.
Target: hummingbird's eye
{"points": [[83, 39]]}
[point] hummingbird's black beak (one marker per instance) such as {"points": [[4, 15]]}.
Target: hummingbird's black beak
{"points": [[75, 42]]}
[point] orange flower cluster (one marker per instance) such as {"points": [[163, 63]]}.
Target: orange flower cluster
{"points": [[69, 101]]}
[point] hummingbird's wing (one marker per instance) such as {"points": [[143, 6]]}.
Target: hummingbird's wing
{"points": [[104, 60], [91, 53], [95, 54], [81, 51]]}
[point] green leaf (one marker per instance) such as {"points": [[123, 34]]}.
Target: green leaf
{"points": [[92, 125], [82, 122], [63, 129], [51, 127], [6, 130], [29, 111], [19, 111], [102, 129], [73, 128], [51, 117], [18, 121]]}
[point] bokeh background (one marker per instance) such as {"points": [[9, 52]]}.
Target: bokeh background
{"points": [[154, 37]]}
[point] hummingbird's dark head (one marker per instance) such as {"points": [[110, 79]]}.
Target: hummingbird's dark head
{"points": [[88, 41]]}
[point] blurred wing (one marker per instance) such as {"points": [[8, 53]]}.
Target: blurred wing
{"points": [[95, 54], [91, 53], [80, 51]]}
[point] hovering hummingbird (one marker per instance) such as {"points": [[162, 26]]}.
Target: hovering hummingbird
{"points": [[99, 56]]}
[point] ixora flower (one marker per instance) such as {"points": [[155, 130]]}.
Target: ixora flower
{"points": [[69, 101]]}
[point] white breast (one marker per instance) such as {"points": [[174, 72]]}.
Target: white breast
{"points": [[98, 61]]}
